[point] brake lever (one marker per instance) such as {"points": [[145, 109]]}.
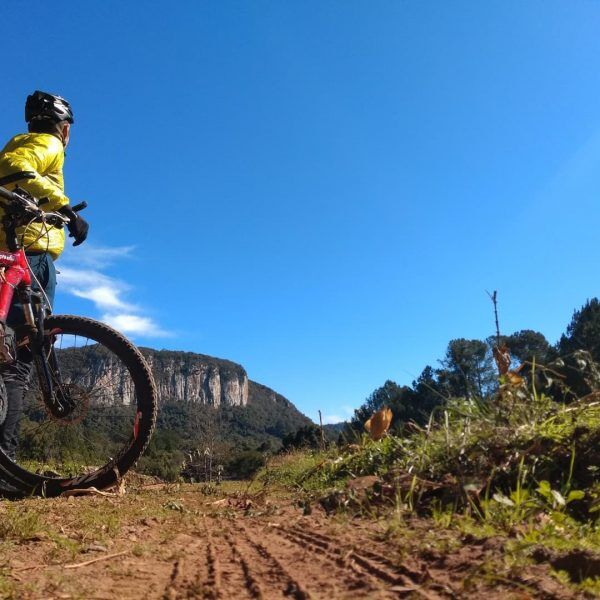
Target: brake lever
{"points": [[56, 216], [26, 208]]}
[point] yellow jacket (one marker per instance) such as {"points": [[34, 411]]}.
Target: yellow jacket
{"points": [[44, 155]]}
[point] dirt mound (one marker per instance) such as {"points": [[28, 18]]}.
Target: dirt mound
{"points": [[579, 564]]}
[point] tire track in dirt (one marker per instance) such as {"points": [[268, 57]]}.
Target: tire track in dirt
{"points": [[197, 573], [275, 572], [248, 551], [255, 560], [182, 583], [417, 575], [350, 557], [213, 579], [250, 578], [230, 560], [380, 571], [231, 566], [310, 573]]}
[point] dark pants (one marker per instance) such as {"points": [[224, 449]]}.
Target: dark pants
{"points": [[16, 376]]}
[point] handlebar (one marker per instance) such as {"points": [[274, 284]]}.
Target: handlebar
{"points": [[6, 194], [23, 204], [79, 206], [22, 209]]}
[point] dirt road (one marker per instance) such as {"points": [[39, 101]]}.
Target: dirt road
{"points": [[176, 543]]}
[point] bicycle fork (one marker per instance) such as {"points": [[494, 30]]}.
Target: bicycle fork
{"points": [[44, 358]]}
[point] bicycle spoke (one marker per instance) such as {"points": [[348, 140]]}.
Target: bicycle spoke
{"points": [[90, 410], [88, 370]]}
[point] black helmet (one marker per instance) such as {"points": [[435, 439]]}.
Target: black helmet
{"points": [[47, 106]]}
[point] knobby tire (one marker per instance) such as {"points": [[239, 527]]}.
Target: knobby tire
{"points": [[108, 474]]}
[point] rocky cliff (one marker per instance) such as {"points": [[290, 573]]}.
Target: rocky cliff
{"points": [[197, 378], [249, 413], [186, 380]]}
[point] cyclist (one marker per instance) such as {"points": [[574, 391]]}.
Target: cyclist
{"points": [[34, 162]]}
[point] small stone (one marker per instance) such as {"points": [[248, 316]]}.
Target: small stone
{"points": [[95, 548]]}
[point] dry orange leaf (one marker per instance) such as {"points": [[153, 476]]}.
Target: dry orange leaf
{"points": [[379, 423], [514, 378]]}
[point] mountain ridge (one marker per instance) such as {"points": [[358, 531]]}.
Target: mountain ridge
{"points": [[212, 380], [242, 411]]}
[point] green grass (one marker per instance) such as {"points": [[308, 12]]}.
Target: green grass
{"points": [[297, 470], [20, 524]]}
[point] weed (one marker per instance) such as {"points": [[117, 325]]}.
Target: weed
{"points": [[443, 516], [208, 489], [96, 524], [20, 523], [173, 505], [63, 547], [139, 550], [7, 587]]}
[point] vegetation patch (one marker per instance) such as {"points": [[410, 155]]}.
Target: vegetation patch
{"points": [[518, 471]]}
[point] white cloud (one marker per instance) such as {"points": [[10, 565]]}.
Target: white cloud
{"points": [[104, 291], [84, 278], [134, 325], [347, 414], [96, 257], [104, 297]]}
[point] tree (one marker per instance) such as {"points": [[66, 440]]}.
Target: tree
{"points": [[390, 394], [308, 436], [525, 345], [245, 464], [205, 434], [467, 369], [583, 333], [426, 395]]}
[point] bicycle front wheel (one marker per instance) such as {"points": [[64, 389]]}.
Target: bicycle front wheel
{"points": [[107, 410]]}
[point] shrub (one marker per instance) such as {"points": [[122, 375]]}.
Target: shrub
{"points": [[245, 464]]}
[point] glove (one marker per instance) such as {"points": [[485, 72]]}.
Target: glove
{"points": [[78, 229], [77, 226]]}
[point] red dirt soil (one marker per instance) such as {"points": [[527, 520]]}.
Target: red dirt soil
{"points": [[175, 543]]}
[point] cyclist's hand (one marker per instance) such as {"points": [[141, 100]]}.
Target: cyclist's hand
{"points": [[78, 228]]}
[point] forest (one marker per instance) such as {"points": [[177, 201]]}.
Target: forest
{"points": [[468, 370]]}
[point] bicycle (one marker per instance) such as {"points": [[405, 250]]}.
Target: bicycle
{"points": [[91, 408]]}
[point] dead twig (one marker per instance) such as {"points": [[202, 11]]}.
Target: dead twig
{"points": [[72, 566], [322, 432], [95, 560], [29, 568], [91, 491], [494, 299]]}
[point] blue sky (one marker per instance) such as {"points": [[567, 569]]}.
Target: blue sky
{"points": [[322, 191]]}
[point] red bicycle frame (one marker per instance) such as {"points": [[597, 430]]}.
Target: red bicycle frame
{"points": [[14, 274]]}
